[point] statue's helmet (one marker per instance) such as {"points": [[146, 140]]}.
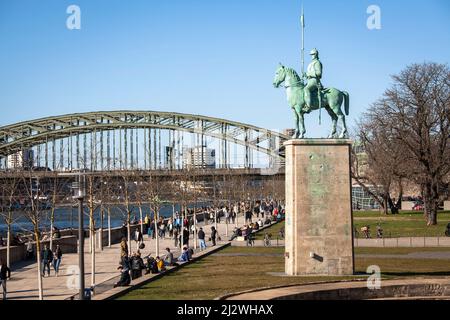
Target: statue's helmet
{"points": [[314, 52]]}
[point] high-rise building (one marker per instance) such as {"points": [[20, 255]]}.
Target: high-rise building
{"points": [[21, 160], [289, 132], [199, 157], [169, 160]]}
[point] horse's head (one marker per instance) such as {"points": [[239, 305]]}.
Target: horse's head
{"points": [[280, 76]]}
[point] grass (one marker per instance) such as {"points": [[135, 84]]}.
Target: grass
{"points": [[240, 268], [273, 229], [404, 224]]}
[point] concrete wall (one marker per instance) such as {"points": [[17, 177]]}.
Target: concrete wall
{"points": [[68, 244]]}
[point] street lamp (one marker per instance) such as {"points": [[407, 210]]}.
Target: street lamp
{"points": [[79, 194]]}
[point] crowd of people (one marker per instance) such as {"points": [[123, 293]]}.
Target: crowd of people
{"points": [[132, 266], [180, 228]]}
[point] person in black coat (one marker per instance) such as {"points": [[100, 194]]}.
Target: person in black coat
{"points": [[124, 277], [137, 264], [185, 236], [151, 265], [213, 235], [47, 258], [5, 273]]}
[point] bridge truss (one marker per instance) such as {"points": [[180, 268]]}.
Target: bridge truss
{"points": [[117, 140]]}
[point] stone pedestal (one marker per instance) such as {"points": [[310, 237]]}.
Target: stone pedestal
{"points": [[447, 205], [319, 237]]}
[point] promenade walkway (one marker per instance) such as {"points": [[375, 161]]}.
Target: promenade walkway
{"points": [[24, 280], [421, 288], [402, 242]]}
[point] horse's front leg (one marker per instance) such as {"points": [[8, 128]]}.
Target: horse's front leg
{"points": [[296, 120], [302, 125]]}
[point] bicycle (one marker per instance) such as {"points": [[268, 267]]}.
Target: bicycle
{"points": [[267, 239], [250, 240]]}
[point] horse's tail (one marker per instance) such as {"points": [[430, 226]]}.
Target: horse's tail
{"points": [[346, 101]]}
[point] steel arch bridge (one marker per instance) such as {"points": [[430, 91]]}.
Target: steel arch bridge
{"points": [[111, 139]]}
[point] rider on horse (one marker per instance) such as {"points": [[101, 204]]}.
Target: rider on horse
{"points": [[313, 76]]}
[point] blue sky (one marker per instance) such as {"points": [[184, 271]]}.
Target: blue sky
{"points": [[208, 57]]}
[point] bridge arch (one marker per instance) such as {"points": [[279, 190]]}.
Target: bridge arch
{"points": [[28, 134]]}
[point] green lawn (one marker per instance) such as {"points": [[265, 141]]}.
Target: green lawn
{"points": [[273, 229], [240, 268], [405, 224]]}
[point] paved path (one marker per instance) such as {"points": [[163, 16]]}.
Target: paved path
{"points": [[437, 288], [402, 242], [24, 283], [441, 255]]}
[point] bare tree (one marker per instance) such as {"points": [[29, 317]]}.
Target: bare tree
{"points": [[9, 201], [33, 208], [380, 165], [415, 113]]}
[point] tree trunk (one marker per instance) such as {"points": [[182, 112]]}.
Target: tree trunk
{"points": [[39, 265], [129, 230], [8, 245], [52, 218], [195, 227], [109, 227], [385, 203], [156, 213], [142, 221], [93, 260], [431, 202], [100, 236], [90, 235]]}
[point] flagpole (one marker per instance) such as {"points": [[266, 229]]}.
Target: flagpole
{"points": [[302, 21]]}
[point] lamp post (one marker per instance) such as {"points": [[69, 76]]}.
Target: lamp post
{"points": [[79, 194]]}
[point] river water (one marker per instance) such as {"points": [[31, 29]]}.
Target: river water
{"points": [[66, 217]]}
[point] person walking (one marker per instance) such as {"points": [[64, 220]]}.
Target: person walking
{"points": [[123, 249], [201, 239], [175, 237], [213, 235], [248, 215], [30, 251], [185, 236], [170, 227], [5, 273], [47, 258], [57, 256], [146, 222], [138, 238]]}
